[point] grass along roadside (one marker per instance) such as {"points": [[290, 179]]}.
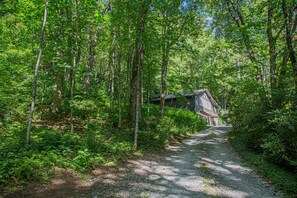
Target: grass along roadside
{"points": [[282, 179]]}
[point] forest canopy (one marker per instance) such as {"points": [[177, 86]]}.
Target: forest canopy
{"points": [[93, 67]]}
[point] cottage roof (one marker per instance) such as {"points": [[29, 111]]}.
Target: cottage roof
{"points": [[196, 92], [167, 97]]}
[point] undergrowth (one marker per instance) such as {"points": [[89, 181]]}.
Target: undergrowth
{"points": [[284, 180], [97, 142]]}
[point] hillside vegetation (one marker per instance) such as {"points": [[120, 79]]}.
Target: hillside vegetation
{"points": [[76, 78]]}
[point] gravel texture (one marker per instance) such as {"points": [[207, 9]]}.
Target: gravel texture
{"points": [[203, 165]]}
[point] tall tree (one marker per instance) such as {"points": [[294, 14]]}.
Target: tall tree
{"points": [[272, 43], [290, 18], [92, 43], [135, 83], [173, 21], [234, 10], [36, 75]]}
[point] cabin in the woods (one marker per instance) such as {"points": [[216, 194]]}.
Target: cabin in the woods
{"points": [[201, 102]]}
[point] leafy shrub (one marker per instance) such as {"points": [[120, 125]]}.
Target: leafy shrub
{"points": [[84, 108], [248, 115], [264, 127], [100, 142], [82, 160], [158, 132], [274, 148], [281, 145]]}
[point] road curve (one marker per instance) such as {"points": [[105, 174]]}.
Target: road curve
{"points": [[202, 166]]}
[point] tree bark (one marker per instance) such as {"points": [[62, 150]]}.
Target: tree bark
{"points": [[289, 43], [76, 61], [36, 75], [57, 94], [135, 83], [165, 58], [138, 60], [92, 43], [272, 54], [112, 72], [119, 89]]}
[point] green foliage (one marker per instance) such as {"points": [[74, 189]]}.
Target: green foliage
{"points": [[263, 128], [248, 114], [274, 149], [282, 179], [281, 146], [100, 142], [84, 108], [205, 49], [158, 132]]}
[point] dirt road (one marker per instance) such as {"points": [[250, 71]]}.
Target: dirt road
{"points": [[202, 166]]}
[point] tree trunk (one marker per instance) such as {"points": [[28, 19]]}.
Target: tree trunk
{"points": [[291, 50], [112, 71], [119, 89], [165, 58], [76, 60], [137, 113], [149, 92], [272, 54], [135, 83], [129, 61], [36, 76], [57, 95], [92, 43], [138, 61]]}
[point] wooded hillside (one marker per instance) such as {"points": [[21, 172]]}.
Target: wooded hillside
{"points": [[76, 78]]}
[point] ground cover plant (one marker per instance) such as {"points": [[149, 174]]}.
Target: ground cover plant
{"points": [[77, 77], [98, 143], [283, 179]]}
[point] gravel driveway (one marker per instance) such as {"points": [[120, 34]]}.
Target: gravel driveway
{"points": [[202, 166]]}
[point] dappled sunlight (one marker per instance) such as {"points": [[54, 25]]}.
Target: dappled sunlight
{"points": [[202, 166]]}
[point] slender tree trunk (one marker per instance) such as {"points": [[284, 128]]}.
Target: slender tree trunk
{"points": [[149, 92], [136, 87], [76, 60], [57, 95], [36, 76], [112, 72], [137, 116], [138, 60], [72, 84], [291, 50], [272, 54], [119, 70], [91, 58], [129, 61], [165, 57], [119, 89]]}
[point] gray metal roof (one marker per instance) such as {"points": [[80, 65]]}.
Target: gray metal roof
{"points": [[196, 92]]}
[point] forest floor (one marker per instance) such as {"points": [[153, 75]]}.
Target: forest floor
{"points": [[203, 165]]}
